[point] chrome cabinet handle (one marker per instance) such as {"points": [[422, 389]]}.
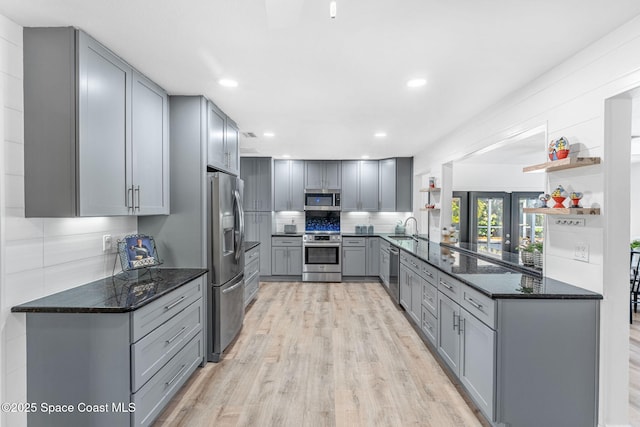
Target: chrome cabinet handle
{"points": [[129, 198], [427, 273], [461, 325], [137, 190], [456, 325], [446, 285], [172, 339], [176, 302], [175, 377], [473, 303]]}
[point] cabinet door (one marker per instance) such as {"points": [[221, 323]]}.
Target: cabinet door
{"points": [[232, 146], [296, 181], [281, 186], [448, 332], [262, 192], [369, 186], [313, 175], [373, 256], [416, 298], [387, 182], [264, 237], [332, 175], [350, 182], [251, 227], [477, 356], [216, 152], [279, 258], [248, 172], [104, 112], [405, 287], [149, 147], [295, 261], [353, 261]]}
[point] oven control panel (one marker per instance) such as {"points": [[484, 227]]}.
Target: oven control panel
{"points": [[322, 238]]}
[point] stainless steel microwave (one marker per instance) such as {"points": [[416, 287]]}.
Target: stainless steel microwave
{"points": [[321, 200]]}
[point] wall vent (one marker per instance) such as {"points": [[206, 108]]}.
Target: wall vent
{"points": [[249, 135]]}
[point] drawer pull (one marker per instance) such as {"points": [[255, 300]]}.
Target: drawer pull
{"points": [[446, 285], [180, 332], [173, 304], [427, 273], [475, 304], [175, 377]]}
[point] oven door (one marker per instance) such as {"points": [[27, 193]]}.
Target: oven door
{"points": [[321, 257]]}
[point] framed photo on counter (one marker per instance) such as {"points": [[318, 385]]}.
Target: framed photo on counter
{"points": [[138, 251]]}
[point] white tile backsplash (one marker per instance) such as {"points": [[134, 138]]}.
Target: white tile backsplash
{"points": [[17, 227], [14, 191], [23, 286], [63, 249], [13, 129], [12, 87], [383, 222], [14, 158], [23, 255]]}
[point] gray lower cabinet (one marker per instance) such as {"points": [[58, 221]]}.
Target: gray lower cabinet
{"points": [[286, 256], [373, 256], [132, 362], [384, 263], [411, 293], [91, 150], [288, 185], [251, 274], [258, 228], [360, 185], [256, 173], [354, 255], [322, 175], [223, 139]]}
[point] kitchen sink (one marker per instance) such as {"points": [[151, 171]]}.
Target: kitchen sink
{"points": [[402, 237]]}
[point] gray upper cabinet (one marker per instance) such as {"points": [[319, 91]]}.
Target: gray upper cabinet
{"points": [[396, 184], [322, 175], [223, 141], [256, 173], [288, 191], [96, 131], [360, 185]]}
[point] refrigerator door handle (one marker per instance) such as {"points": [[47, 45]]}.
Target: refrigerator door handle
{"points": [[240, 212]]}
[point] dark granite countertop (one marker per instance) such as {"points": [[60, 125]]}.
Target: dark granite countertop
{"points": [[250, 245], [287, 234], [496, 280], [117, 294]]}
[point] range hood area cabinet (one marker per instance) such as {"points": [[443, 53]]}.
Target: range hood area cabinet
{"points": [[288, 182], [360, 185], [322, 175], [95, 130], [256, 173], [223, 141]]}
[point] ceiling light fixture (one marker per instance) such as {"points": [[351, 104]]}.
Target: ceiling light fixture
{"points": [[380, 134], [286, 156], [416, 82], [228, 83], [365, 157], [269, 134], [332, 9]]}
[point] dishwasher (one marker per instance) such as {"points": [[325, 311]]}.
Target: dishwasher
{"points": [[394, 274]]}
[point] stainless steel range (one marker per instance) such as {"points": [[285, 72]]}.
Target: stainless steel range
{"points": [[322, 246]]}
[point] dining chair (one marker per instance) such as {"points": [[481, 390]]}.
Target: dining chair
{"points": [[634, 282]]}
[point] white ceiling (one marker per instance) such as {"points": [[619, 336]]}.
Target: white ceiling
{"points": [[323, 86]]}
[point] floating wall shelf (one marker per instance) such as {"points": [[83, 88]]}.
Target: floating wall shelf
{"points": [[568, 163], [429, 209], [563, 211]]}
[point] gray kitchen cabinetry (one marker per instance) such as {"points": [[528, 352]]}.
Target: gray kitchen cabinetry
{"points": [[411, 292], [251, 274], [288, 185], [91, 149], [223, 139], [286, 257], [373, 256], [322, 175], [396, 184], [354, 256], [384, 262], [258, 228], [256, 173], [360, 185]]}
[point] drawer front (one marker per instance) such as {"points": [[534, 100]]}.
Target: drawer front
{"points": [[480, 305], [354, 241], [251, 255], [149, 317], [251, 286], [252, 268], [430, 297], [450, 287], [429, 326], [153, 351], [151, 399], [429, 272], [286, 241]]}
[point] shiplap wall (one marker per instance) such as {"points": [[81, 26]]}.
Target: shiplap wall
{"points": [[570, 100], [495, 177], [40, 256], [635, 201]]}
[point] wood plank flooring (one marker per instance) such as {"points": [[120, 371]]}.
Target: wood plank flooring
{"points": [[322, 354]]}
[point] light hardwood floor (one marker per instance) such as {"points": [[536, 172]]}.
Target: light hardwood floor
{"points": [[322, 354]]}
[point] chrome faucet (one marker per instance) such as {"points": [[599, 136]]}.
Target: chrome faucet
{"points": [[415, 220]]}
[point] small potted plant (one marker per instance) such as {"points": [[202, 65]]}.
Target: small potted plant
{"points": [[531, 254], [635, 245]]}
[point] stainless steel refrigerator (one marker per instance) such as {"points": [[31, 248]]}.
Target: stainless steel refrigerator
{"points": [[225, 261]]}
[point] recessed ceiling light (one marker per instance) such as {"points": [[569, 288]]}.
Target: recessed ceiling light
{"points": [[380, 134], [416, 82], [365, 157], [228, 83], [269, 134], [286, 156]]}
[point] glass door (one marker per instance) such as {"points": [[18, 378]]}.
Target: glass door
{"points": [[490, 214], [528, 227]]}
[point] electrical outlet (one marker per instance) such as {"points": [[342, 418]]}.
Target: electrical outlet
{"points": [[581, 252], [107, 243]]}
